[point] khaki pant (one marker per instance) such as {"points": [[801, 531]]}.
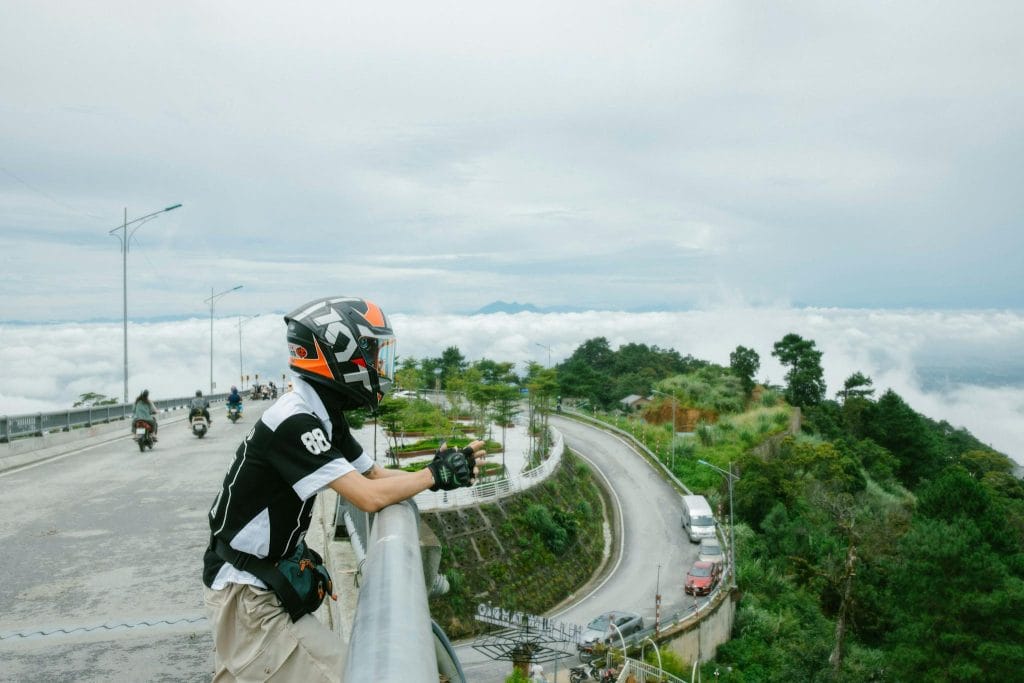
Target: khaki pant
{"points": [[254, 639]]}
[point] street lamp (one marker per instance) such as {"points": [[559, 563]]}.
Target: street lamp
{"points": [[241, 367], [673, 424], [621, 639], [656, 651], [732, 536], [125, 236], [545, 346], [212, 300]]}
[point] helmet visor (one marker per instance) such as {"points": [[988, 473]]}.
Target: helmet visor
{"points": [[379, 353]]}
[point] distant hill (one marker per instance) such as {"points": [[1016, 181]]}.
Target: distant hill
{"points": [[515, 307]]}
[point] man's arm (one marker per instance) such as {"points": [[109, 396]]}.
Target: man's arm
{"points": [[377, 491]]}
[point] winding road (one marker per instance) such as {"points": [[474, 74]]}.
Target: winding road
{"points": [[651, 536]]}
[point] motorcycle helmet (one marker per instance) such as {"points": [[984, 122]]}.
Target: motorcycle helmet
{"points": [[345, 345], [199, 392]]}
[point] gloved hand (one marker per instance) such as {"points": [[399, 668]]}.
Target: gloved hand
{"points": [[451, 469]]}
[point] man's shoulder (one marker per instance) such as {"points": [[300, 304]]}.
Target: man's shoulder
{"points": [[291, 413]]}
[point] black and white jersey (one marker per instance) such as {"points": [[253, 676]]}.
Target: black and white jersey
{"points": [[265, 504]]}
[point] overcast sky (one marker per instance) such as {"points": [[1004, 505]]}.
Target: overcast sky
{"points": [[440, 156]]}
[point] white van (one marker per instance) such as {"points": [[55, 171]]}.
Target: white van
{"points": [[697, 518]]}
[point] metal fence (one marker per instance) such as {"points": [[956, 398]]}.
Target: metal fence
{"points": [[40, 424]]}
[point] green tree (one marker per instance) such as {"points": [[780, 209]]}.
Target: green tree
{"points": [[804, 377], [857, 385], [980, 462], [856, 400], [893, 424], [542, 387], [409, 376], [954, 609], [91, 398], [506, 407], [744, 363]]}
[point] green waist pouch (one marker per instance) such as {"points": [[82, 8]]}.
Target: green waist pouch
{"points": [[300, 581]]}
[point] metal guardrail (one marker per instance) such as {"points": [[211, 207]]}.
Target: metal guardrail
{"points": [[38, 424], [641, 672], [393, 637]]}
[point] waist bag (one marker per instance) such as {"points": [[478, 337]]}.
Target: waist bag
{"points": [[300, 581]]}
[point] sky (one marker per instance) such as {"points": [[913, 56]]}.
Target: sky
{"points": [[847, 162], [440, 156]]}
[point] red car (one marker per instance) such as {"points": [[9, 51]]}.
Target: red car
{"points": [[702, 577]]}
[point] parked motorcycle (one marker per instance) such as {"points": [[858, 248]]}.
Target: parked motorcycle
{"points": [[591, 671], [199, 424], [143, 435], [234, 412]]}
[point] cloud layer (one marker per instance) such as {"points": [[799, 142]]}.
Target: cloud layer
{"points": [[966, 367]]}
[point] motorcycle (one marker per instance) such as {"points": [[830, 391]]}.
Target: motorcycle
{"points": [[234, 411], [590, 671], [199, 424], [143, 435]]}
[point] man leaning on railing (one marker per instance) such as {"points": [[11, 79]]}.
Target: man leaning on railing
{"points": [[262, 582]]}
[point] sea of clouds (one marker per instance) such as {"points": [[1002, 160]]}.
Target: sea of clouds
{"points": [[966, 367]]}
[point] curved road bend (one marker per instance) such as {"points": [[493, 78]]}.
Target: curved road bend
{"points": [[651, 536]]}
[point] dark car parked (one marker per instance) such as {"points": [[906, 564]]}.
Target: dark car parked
{"points": [[600, 630]]}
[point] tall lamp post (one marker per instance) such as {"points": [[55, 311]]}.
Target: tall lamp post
{"points": [[545, 346], [125, 237], [656, 651], [621, 640], [213, 300], [241, 367], [673, 424], [732, 536]]}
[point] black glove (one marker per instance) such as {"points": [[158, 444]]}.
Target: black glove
{"points": [[470, 457], [451, 470]]}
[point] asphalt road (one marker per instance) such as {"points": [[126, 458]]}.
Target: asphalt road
{"points": [[655, 556], [102, 549]]}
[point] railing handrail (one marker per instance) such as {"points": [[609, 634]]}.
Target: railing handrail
{"points": [[37, 424], [392, 635], [641, 670]]}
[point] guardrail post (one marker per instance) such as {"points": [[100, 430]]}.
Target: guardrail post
{"points": [[5, 429]]}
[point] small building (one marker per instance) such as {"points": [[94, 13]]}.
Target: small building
{"points": [[634, 402]]}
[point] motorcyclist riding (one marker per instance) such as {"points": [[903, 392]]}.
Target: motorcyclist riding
{"points": [[200, 406], [145, 410], [235, 400]]}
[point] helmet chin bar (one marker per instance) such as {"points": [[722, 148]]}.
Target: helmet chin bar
{"points": [[368, 379]]}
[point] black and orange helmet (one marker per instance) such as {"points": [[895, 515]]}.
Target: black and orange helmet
{"points": [[344, 344]]}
